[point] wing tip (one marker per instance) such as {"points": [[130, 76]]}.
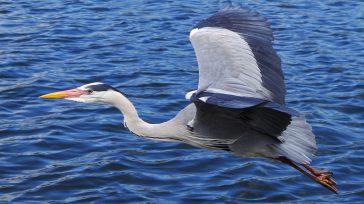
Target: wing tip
{"points": [[234, 18]]}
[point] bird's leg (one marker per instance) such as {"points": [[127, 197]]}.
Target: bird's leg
{"points": [[323, 178], [321, 174]]}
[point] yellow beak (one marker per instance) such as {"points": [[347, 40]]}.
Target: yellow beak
{"points": [[72, 93]]}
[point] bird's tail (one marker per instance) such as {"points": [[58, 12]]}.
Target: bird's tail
{"points": [[298, 145], [298, 141]]}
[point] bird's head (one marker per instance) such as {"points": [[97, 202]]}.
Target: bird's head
{"points": [[96, 92]]}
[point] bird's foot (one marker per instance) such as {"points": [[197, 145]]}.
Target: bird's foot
{"points": [[321, 177]]}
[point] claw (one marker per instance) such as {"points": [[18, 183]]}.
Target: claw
{"points": [[326, 177], [321, 177], [333, 182]]}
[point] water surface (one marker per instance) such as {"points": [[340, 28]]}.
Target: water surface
{"points": [[65, 152]]}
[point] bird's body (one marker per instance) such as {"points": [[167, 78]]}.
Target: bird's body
{"points": [[239, 105]]}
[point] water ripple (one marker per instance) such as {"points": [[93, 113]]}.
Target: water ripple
{"points": [[62, 152]]}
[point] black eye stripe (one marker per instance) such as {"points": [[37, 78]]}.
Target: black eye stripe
{"points": [[102, 87]]}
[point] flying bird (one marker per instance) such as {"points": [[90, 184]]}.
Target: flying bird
{"points": [[239, 104]]}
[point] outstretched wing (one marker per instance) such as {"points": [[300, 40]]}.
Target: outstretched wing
{"points": [[241, 89], [235, 56]]}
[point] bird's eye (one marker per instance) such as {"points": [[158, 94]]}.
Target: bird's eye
{"points": [[89, 91]]}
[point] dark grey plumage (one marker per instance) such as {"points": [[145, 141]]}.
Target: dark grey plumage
{"points": [[254, 117]]}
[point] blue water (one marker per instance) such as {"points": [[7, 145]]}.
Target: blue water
{"points": [[65, 152]]}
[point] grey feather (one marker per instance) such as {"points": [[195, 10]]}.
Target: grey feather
{"points": [[256, 31]]}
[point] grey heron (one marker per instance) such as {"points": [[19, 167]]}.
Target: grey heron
{"points": [[239, 105]]}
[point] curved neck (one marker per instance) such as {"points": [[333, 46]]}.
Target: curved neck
{"points": [[138, 126], [174, 130], [131, 117]]}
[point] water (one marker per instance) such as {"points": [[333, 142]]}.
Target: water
{"points": [[65, 152]]}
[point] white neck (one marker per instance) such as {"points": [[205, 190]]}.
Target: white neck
{"points": [[138, 126], [131, 117], [172, 130]]}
